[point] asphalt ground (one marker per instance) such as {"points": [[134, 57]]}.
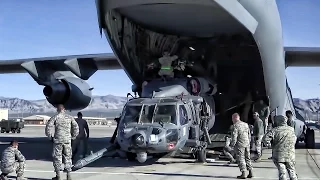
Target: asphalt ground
{"points": [[37, 150]]}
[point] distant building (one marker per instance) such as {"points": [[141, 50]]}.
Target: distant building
{"points": [[4, 114], [36, 119]]}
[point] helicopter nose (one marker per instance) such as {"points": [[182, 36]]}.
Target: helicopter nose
{"points": [[138, 139]]}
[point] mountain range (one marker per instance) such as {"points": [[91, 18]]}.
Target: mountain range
{"points": [[111, 105], [108, 105]]}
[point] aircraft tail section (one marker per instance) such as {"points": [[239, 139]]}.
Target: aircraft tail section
{"points": [[290, 105]]}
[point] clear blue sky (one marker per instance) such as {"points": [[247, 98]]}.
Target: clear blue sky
{"points": [[38, 28]]}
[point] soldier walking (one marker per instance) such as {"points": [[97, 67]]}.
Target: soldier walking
{"points": [[12, 161], [290, 121], [240, 141], [258, 132], [82, 138], [283, 147], [65, 128], [263, 111]]}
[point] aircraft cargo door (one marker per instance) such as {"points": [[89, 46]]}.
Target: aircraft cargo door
{"points": [[183, 120]]}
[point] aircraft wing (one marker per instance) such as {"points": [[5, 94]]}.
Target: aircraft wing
{"points": [[302, 56], [103, 61], [83, 66]]}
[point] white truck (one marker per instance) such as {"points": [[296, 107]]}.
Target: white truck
{"points": [[4, 114]]}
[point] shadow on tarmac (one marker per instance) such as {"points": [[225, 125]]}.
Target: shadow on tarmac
{"points": [[14, 177], [34, 148]]}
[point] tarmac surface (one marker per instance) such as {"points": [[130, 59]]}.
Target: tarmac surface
{"points": [[37, 150]]}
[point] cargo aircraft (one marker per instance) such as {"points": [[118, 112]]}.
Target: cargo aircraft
{"points": [[234, 46]]}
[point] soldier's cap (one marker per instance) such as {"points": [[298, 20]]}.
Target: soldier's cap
{"points": [[256, 114], [79, 114], [280, 120]]}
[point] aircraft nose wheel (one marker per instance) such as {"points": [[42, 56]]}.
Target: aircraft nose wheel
{"points": [[201, 155]]}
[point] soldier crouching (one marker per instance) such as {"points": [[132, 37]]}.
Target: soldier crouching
{"points": [[227, 150], [12, 161]]}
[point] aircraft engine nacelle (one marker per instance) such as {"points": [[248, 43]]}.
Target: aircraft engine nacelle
{"points": [[73, 93], [201, 86]]}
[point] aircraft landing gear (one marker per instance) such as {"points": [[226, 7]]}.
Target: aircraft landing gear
{"points": [[131, 156], [309, 139], [201, 155]]}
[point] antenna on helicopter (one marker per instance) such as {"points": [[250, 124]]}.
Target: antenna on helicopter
{"points": [[129, 94]]}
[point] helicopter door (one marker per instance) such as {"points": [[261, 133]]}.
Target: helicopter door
{"points": [[183, 120]]}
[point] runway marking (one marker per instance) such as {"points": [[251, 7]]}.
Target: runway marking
{"points": [[147, 174]]}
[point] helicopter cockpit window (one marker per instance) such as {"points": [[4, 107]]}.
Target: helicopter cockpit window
{"points": [[183, 116], [165, 114], [131, 114], [147, 113]]}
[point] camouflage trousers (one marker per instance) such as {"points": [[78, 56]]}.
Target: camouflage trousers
{"points": [[284, 167], [17, 167], [227, 151], [62, 150], [243, 158], [258, 140]]}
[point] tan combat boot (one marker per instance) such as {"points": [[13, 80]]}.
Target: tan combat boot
{"points": [[3, 177], [57, 177], [68, 176], [242, 176], [21, 178], [250, 175]]}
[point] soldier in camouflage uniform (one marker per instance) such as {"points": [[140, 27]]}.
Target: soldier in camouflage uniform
{"points": [[12, 161], [240, 141], [258, 132], [283, 147], [290, 121], [229, 152], [166, 64], [65, 128], [263, 111]]}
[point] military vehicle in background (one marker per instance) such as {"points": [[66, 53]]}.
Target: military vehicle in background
{"points": [[13, 125]]}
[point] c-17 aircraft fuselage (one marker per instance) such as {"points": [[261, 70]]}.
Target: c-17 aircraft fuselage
{"points": [[236, 45]]}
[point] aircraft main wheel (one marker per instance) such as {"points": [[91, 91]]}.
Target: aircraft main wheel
{"points": [[2, 130], [310, 141], [131, 156], [201, 155], [13, 130], [19, 131], [7, 131]]}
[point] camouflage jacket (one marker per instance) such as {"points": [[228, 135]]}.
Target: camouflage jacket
{"points": [[65, 128], [258, 128], [228, 141], [263, 110], [9, 156], [240, 135], [283, 140]]}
